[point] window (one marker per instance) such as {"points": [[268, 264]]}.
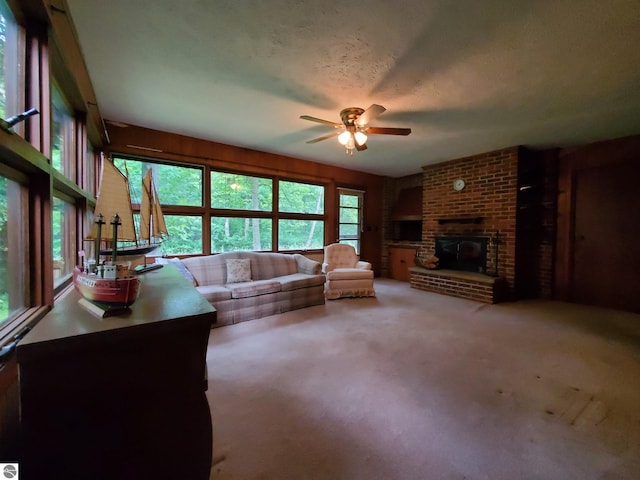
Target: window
{"points": [[11, 53], [62, 138], [301, 223], [246, 195], [350, 223], [241, 192], [185, 235], [13, 249], [64, 244], [241, 212], [301, 198], [300, 234], [240, 233], [176, 185]]}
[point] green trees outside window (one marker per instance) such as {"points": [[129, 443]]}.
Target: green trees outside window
{"points": [[176, 185], [13, 253], [241, 192], [243, 211], [65, 255]]}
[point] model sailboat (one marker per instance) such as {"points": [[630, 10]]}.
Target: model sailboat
{"points": [[110, 282], [115, 197]]}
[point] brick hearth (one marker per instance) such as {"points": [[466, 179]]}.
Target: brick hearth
{"points": [[474, 286]]}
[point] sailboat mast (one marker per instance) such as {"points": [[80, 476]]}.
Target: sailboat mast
{"points": [[99, 222], [114, 252]]}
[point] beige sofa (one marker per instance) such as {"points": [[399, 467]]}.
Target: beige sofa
{"points": [[275, 283]]}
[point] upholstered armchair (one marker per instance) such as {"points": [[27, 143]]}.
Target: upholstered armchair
{"points": [[346, 275]]}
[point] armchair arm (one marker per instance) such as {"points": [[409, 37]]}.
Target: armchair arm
{"points": [[363, 265]]}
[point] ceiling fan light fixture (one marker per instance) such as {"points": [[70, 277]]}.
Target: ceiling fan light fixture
{"points": [[355, 122]]}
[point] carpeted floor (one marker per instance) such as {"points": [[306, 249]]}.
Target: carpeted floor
{"points": [[414, 385]]}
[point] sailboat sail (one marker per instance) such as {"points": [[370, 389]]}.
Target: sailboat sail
{"points": [[114, 197], [152, 223]]}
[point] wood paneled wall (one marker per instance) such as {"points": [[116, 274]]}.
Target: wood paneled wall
{"points": [[574, 164]]}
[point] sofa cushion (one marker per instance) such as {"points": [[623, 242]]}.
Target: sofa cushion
{"points": [[207, 269], [214, 293], [252, 289], [267, 265], [238, 270], [299, 280]]}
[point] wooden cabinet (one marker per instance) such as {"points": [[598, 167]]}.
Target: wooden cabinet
{"points": [[120, 397], [400, 259]]}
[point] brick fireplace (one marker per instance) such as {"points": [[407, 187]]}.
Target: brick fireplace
{"points": [[494, 212]]}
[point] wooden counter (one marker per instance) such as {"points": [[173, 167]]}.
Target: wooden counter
{"points": [[119, 397]]}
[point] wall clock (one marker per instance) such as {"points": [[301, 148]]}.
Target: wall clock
{"points": [[458, 184]]}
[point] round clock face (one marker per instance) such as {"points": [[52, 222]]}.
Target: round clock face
{"points": [[458, 184]]}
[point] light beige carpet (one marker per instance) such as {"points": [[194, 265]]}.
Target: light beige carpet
{"points": [[414, 385]]}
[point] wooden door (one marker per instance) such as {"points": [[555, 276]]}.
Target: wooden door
{"points": [[606, 260], [400, 259]]}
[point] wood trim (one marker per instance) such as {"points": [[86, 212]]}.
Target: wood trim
{"points": [[564, 231], [67, 45]]}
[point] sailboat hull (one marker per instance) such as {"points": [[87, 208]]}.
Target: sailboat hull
{"points": [[131, 251], [120, 292]]}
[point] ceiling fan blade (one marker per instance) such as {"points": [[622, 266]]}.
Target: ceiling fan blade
{"points": [[360, 147], [369, 114], [319, 120], [388, 130], [324, 137]]}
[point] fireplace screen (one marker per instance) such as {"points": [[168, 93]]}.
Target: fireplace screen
{"points": [[462, 253]]}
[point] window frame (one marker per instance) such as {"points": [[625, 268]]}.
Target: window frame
{"points": [[19, 262], [208, 212], [67, 122], [350, 239]]}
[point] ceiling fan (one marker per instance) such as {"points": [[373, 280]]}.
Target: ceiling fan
{"points": [[352, 132]]}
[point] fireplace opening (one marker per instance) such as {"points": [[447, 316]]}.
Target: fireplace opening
{"points": [[468, 254]]}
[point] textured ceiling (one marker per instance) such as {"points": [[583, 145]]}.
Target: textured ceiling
{"points": [[466, 76]]}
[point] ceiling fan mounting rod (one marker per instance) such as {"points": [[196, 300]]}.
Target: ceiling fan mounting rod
{"points": [[350, 114]]}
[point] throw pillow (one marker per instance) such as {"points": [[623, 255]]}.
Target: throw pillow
{"points": [[238, 270]]}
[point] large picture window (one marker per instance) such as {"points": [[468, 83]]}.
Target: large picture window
{"points": [[243, 212]]}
